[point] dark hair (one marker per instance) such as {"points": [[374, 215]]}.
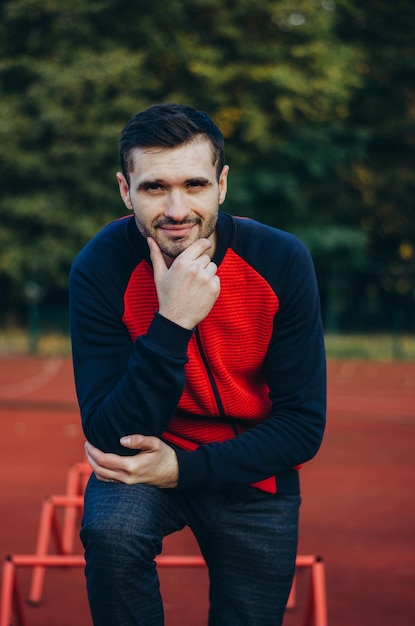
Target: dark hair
{"points": [[167, 126]]}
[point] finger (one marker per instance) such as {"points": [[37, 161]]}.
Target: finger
{"points": [[95, 467], [92, 461], [134, 442], [212, 268], [203, 261], [102, 474], [104, 460], [197, 249], [159, 264], [139, 442], [92, 453]]}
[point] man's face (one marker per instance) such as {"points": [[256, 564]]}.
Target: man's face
{"points": [[175, 194]]}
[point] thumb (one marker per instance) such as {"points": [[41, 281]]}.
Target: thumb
{"points": [[137, 442], [156, 256]]}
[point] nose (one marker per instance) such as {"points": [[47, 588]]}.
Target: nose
{"points": [[176, 207]]}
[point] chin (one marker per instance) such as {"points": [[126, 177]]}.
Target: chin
{"points": [[173, 250], [174, 247]]}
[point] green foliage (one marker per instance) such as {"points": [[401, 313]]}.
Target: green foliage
{"points": [[315, 99], [384, 107]]}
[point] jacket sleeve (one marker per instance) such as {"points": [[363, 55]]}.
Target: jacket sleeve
{"points": [[123, 387], [296, 376]]}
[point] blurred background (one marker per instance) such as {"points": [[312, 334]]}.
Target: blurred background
{"points": [[316, 99]]}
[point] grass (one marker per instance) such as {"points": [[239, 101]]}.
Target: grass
{"points": [[19, 342], [371, 347], [383, 347]]}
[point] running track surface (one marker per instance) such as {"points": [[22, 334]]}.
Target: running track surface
{"points": [[358, 507]]}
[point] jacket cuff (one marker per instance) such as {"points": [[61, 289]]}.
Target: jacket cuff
{"points": [[169, 337], [193, 469]]}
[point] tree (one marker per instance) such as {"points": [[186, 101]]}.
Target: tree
{"points": [[384, 109], [292, 85], [73, 73]]}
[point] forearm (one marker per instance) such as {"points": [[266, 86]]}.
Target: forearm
{"points": [[272, 448], [130, 389], [127, 387]]}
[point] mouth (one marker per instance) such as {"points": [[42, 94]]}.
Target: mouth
{"points": [[177, 230]]}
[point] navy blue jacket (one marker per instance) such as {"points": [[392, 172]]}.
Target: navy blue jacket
{"points": [[242, 397]]}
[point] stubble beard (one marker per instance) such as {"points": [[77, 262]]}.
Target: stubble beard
{"points": [[174, 246]]}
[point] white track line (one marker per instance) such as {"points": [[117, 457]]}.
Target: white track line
{"points": [[42, 378]]}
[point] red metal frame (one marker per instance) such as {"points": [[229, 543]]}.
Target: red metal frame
{"points": [[11, 601], [49, 527], [63, 530], [77, 478]]}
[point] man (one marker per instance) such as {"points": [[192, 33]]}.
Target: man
{"points": [[200, 372]]}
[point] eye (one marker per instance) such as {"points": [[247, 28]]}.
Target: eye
{"points": [[196, 184], [152, 187]]}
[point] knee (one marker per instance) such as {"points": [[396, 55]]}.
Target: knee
{"points": [[113, 526]]}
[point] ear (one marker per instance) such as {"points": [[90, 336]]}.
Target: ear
{"points": [[124, 190], [223, 184]]}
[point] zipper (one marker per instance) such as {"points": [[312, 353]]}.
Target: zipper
{"points": [[213, 383]]}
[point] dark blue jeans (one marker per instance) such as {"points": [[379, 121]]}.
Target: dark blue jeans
{"points": [[248, 538]]}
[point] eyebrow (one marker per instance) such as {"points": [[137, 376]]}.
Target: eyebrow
{"points": [[152, 181], [159, 181]]}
